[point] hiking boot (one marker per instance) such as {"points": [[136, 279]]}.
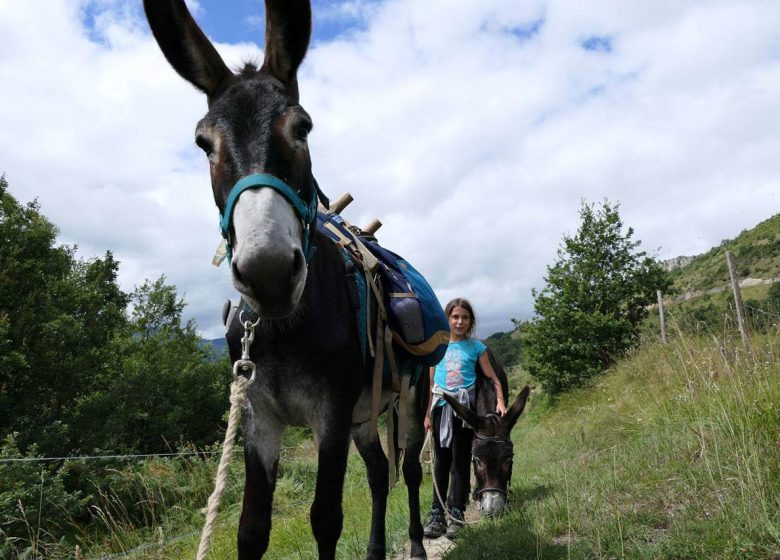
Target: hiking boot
{"points": [[437, 524], [457, 523]]}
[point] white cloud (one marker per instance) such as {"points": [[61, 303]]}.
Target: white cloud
{"points": [[473, 142]]}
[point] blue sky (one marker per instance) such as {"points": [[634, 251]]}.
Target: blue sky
{"points": [[244, 20], [472, 130]]}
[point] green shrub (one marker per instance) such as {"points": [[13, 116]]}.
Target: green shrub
{"points": [[35, 505], [596, 297]]}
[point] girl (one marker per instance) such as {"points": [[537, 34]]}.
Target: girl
{"points": [[456, 374]]}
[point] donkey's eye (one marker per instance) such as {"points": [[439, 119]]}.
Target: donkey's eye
{"points": [[204, 144], [302, 129]]}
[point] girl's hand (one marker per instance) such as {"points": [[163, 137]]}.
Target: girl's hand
{"points": [[500, 407], [428, 423]]}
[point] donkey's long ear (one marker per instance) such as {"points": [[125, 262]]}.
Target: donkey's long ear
{"points": [[514, 412], [472, 418], [287, 33], [185, 46]]}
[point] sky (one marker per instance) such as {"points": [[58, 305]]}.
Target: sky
{"points": [[473, 130]]}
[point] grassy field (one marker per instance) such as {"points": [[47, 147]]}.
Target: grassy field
{"points": [[673, 454], [171, 493]]}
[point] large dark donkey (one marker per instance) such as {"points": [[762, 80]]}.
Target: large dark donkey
{"points": [[310, 367], [492, 450]]}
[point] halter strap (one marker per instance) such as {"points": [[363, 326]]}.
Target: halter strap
{"points": [[307, 212], [493, 439], [499, 490]]}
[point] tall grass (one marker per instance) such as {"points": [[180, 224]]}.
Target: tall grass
{"points": [[153, 510], [672, 454]]}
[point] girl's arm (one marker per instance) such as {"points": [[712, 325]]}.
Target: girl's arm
{"points": [[428, 422], [484, 362]]}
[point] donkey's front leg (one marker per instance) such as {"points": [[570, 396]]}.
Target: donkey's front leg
{"points": [[262, 440], [413, 473], [327, 515], [378, 480]]}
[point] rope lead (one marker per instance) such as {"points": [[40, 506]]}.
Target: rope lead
{"points": [[237, 402]]}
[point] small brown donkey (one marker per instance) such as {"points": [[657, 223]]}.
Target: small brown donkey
{"points": [[492, 450]]}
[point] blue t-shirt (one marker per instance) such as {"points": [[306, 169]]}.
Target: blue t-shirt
{"points": [[458, 368]]}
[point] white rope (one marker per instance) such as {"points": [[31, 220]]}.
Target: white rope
{"points": [[237, 402]]}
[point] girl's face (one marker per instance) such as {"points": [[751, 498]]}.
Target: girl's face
{"points": [[460, 323]]}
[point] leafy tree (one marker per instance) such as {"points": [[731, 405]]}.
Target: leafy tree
{"points": [[596, 296], [76, 372], [166, 388], [57, 315], [79, 372]]}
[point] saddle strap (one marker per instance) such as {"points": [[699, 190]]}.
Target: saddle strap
{"points": [[376, 383], [392, 459], [403, 414]]}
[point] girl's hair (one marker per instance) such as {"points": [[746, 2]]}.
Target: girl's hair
{"points": [[465, 304]]}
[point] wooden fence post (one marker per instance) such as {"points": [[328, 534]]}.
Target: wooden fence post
{"points": [[738, 301], [661, 315]]}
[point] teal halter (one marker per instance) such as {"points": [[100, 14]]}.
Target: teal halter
{"points": [[306, 212]]}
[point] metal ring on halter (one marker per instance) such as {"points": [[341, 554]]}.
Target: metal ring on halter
{"points": [[244, 322], [245, 365]]}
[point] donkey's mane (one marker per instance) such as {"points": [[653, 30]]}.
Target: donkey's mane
{"points": [[249, 67]]}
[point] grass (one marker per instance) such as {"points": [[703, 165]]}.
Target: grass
{"points": [[172, 521], [672, 454]]}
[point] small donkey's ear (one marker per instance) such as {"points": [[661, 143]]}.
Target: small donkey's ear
{"points": [[514, 412], [185, 46], [287, 34], [471, 418]]}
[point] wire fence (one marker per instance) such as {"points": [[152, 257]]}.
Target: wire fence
{"points": [[105, 457]]}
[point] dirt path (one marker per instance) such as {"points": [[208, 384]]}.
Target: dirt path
{"points": [[435, 548]]}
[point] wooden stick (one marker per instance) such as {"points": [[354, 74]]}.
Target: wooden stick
{"points": [[661, 315], [372, 227], [340, 203], [738, 300]]}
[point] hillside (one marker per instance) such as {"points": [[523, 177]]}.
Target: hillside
{"points": [[672, 454], [218, 345], [756, 253]]}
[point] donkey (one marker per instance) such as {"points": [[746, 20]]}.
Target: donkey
{"points": [[310, 367], [492, 450]]}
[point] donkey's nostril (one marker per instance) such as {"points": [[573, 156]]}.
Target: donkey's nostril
{"points": [[298, 264]]}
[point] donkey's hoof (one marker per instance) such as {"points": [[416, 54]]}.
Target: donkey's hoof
{"points": [[417, 552]]}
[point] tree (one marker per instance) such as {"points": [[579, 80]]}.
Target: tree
{"points": [[76, 372], [57, 316], [166, 388], [596, 296]]}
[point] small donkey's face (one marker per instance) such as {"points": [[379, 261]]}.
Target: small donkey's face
{"points": [[492, 451], [254, 125]]}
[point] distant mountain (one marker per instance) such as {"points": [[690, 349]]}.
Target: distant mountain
{"points": [[219, 345]]}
